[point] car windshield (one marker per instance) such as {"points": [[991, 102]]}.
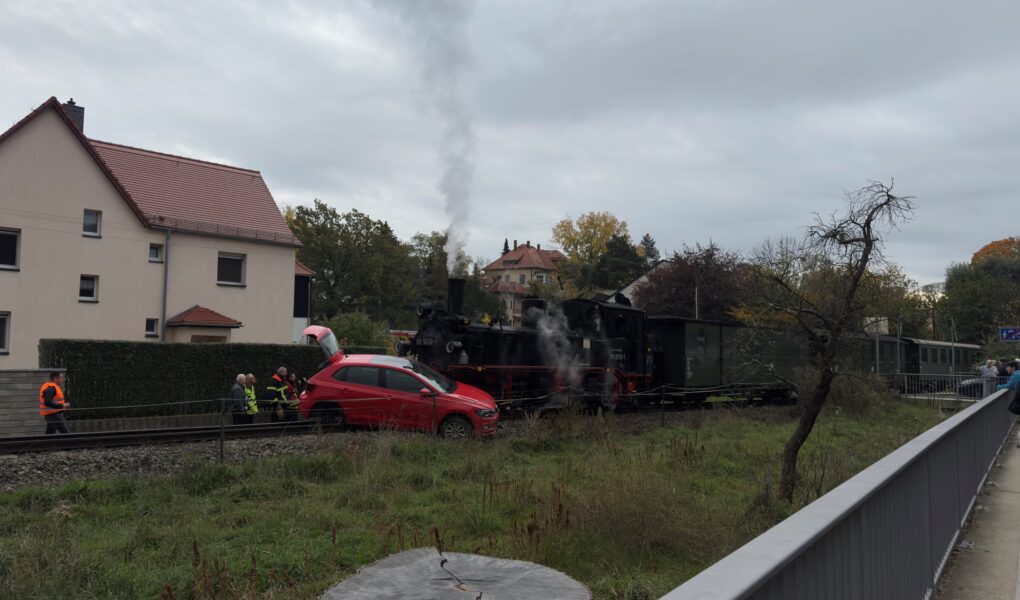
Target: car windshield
{"points": [[438, 381]]}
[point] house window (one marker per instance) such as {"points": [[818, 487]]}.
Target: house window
{"points": [[230, 270], [522, 279], [156, 253], [88, 288], [5, 330], [92, 225], [9, 240], [540, 277], [150, 327]]}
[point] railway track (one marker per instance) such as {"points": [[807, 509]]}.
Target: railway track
{"points": [[138, 437]]}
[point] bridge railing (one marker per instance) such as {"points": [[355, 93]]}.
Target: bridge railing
{"points": [[885, 533]]}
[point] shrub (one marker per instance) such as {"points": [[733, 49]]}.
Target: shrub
{"points": [[109, 373]]}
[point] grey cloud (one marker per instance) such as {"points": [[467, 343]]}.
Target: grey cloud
{"points": [[689, 120]]}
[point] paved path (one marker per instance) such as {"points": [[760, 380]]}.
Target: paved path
{"points": [[990, 570]]}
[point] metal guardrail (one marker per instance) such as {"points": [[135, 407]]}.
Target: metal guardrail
{"points": [[885, 533], [960, 386]]}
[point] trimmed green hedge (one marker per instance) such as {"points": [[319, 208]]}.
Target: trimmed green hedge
{"points": [[110, 373]]}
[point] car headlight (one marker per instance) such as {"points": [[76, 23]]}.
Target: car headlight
{"points": [[485, 413]]}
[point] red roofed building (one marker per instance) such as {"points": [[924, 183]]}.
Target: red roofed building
{"points": [[510, 276], [105, 241]]}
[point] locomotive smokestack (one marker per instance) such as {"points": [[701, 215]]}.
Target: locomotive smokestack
{"points": [[455, 296]]}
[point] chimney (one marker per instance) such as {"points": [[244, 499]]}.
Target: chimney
{"points": [[515, 244], [538, 247], [455, 296], [76, 113], [528, 243]]}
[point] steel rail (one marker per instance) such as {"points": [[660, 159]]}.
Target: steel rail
{"points": [[137, 437]]}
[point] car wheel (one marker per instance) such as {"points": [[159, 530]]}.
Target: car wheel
{"points": [[455, 427], [328, 414]]}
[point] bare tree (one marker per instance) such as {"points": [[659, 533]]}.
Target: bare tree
{"points": [[814, 286]]}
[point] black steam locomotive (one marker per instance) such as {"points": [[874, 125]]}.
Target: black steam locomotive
{"points": [[584, 352]]}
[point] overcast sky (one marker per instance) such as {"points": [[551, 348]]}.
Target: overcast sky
{"points": [[690, 119]]}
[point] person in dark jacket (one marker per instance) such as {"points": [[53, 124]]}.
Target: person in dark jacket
{"points": [[52, 405], [239, 400], [277, 390]]}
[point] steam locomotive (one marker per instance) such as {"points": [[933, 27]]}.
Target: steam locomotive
{"points": [[607, 354]]}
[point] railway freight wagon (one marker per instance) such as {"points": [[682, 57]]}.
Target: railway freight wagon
{"points": [[693, 359]]}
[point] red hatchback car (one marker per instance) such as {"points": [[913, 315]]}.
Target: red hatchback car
{"points": [[385, 391]]}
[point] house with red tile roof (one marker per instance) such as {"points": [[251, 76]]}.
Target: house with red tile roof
{"points": [[511, 275], [105, 241]]}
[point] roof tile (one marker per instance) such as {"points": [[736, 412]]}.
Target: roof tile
{"points": [[200, 316], [195, 195]]}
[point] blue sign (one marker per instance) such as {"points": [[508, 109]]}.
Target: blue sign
{"points": [[1009, 334]]}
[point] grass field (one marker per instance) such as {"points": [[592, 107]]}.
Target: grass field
{"points": [[629, 513]]}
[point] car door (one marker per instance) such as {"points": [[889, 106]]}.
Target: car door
{"points": [[359, 393], [406, 405]]}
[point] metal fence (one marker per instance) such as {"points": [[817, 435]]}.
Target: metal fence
{"points": [[885, 533], [958, 386]]}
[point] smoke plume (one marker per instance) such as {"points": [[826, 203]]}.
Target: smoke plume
{"points": [[437, 29]]}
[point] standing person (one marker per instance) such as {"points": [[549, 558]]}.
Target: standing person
{"points": [[1014, 378], [1002, 367], [52, 405], [276, 389], [989, 372], [252, 399], [238, 400]]}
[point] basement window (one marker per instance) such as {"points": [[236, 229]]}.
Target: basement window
{"points": [[92, 224]]}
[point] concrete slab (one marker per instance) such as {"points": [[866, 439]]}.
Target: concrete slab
{"points": [[990, 571]]}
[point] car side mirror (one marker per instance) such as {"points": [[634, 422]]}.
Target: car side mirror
{"points": [[425, 392]]}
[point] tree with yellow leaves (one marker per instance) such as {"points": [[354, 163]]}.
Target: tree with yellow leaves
{"points": [[586, 239]]}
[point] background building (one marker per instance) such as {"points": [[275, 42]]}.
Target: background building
{"points": [[511, 275], [104, 241]]}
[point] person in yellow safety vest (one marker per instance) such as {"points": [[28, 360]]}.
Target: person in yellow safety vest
{"points": [[52, 405], [253, 404], [277, 387]]}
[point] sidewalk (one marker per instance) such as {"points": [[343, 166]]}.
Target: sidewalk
{"points": [[991, 569]]}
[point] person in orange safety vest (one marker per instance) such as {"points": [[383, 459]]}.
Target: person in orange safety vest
{"points": [[52, 405]]}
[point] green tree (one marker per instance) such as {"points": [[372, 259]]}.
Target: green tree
{"points": [[358, 329], [430, 259], [981, 296], [620, 264], [649, 251], [361, 266]]}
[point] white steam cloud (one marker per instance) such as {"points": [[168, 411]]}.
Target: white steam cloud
{"points": [[437, 28]]}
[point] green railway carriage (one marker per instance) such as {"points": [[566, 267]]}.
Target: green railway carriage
{"points": [[695, 358]]}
